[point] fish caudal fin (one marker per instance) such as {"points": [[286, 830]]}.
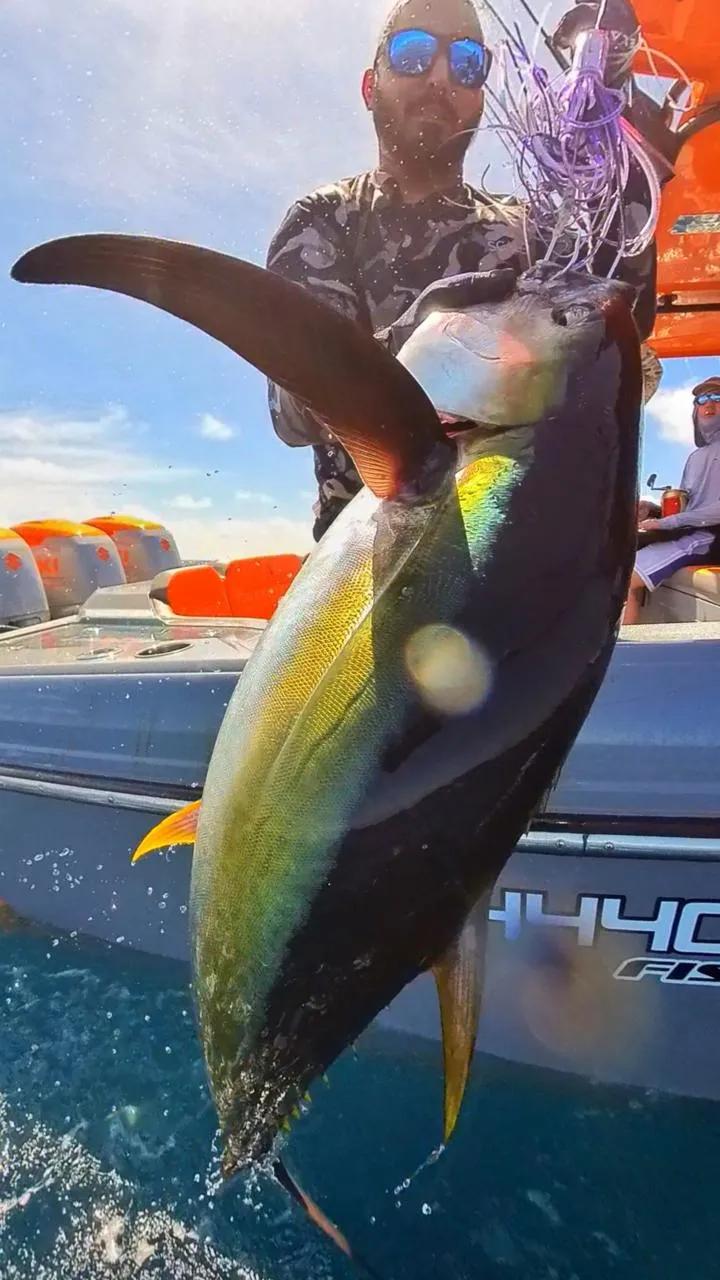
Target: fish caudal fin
{"points": [[459, 977], [178, 828], [374, 406], [320, 1219]]}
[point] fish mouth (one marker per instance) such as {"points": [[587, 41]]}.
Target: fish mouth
{"points": [[454, 426], [243, 1150], [256, 1122]]}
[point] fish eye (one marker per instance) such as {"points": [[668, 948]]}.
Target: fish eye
{"points": [[573, 314]]}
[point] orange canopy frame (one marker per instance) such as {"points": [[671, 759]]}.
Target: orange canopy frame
{"points": [[688, 236]]}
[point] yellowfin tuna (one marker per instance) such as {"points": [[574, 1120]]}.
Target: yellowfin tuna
{"points": [[417, 690]]}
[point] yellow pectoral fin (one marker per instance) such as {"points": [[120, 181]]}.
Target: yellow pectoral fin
{"points": [[178, 828]]}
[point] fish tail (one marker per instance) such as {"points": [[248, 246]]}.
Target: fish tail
{"points": [[320, 1219]]}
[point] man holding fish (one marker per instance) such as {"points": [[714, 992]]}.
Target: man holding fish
{"points": [[369, 245]]}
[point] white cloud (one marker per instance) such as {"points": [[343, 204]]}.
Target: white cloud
{"points": [[64, 465], [186, 502], [259, 499], [50, 432], [199, 538], [153, 106], [156, 104], [213, 428], [671, 408]]}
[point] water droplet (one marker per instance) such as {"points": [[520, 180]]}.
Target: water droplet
{"points": [[450, 671]]}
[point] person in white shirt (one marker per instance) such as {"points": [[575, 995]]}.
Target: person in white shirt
{"points": [[698, 526]]}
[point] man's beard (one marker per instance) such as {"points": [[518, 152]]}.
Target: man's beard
{"points": [[428, 144], [709, 428]]}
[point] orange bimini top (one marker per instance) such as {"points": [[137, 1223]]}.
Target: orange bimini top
{"points": [[687, 33]]}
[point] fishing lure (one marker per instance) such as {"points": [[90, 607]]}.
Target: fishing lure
{"points": [[572, 149]]}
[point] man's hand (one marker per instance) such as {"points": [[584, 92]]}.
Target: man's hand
{"points": [[649, 526], [623, 37], [647, 509]]}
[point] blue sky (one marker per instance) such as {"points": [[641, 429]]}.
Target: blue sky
{"points": [[197, 120]]}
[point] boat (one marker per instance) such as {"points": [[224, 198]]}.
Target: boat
{"points": [[108, 715]]}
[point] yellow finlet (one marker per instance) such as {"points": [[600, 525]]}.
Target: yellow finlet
{"points": [[177, 828]]}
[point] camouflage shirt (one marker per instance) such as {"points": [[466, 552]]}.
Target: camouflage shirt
{"points": [[359, 247]]}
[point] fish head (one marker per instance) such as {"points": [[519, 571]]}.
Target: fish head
{"points": [[510, 362]]}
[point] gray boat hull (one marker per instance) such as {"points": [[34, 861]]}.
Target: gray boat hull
{"points": [[594, 964], [604, 934]]}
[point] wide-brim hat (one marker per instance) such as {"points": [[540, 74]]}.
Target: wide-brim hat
{"points": [[708, 384]]}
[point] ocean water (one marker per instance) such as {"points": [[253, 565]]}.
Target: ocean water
{"points": [[108, 1164], [107, 1161]]}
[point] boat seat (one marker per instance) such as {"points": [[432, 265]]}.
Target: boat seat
{"points": [[706, 582], [249, 588], [255, 587], [690, 595], [195, 591]]}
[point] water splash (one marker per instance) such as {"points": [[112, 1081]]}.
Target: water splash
{"points": [[426, 1164], [80, 1219]]}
